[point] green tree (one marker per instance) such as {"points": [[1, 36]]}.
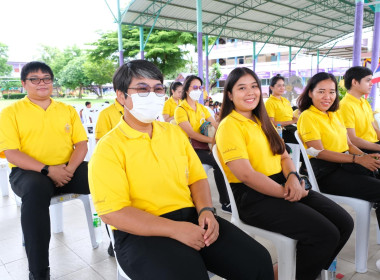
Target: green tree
{"points": [[73, 75], [162, 48], [214, 74], [99, 72], [5, 69]]}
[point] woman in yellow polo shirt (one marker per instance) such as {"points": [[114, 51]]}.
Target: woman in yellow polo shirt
{"points": [[172, 102], [279, 109], [268, 191], [148, 183], [339, 166], [190, 115]]}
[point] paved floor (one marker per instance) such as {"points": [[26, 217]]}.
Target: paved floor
{"points": [[72, 257]]}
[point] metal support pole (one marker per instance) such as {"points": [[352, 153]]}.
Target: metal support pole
{"points": [[207, 70], [278, 60], [357, 47], [254, 57], [141, 42], [217, 60], [317, 61], [290, 62], [375, 52], [119, 35], [199, 43]]}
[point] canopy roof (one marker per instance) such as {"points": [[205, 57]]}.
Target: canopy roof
{"points": [[297, 23]]}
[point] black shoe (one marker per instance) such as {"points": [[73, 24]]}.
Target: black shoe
{"points": [[110, 250], [226, 208]]}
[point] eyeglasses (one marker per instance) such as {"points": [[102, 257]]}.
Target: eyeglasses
{"points": [[198, 87], [144, 90], [36, 81]]}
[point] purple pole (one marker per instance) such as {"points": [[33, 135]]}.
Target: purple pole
{"points": [[121, 58], [207, 82], [290, 62], [375, 52], [357, 50], [254, 57], [199, 43]]}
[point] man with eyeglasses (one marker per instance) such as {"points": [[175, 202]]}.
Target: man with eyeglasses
{"points": [[45, 144]]}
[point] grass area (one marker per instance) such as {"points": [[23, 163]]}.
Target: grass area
{"points": [[72, 101]]}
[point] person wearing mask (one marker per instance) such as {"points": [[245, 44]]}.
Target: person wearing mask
{"points": [[267, 188], [170, 104], [148, 183], [280, 110], [190, 116]]}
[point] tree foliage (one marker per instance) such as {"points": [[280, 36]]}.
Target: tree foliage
{"points": [[99, 72], [162, 48], [5, 69]]}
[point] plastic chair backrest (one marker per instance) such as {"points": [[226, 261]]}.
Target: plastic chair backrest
{"points": [[309, 168]]}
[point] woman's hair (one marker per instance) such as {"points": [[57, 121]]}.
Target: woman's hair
{"points": [[186, 85], [304, 100], [276, 143], [274, 80], [173, 87]]}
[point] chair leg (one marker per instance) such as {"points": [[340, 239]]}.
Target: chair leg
{"points": [[362, 237], [87, 207], [378, 234], [286, 253], [56, 217]]}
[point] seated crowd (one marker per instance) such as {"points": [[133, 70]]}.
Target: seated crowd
{"points": [[147, 180]]}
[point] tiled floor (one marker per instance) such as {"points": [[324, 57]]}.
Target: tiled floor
{"points": [[72, 257]]}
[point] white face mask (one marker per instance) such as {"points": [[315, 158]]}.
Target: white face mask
{"points": [[146, 109], [195, 94]]}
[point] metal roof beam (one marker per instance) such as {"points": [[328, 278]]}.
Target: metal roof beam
{"points": [[152, 11]]}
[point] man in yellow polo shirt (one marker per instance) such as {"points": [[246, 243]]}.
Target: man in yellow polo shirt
{"points": [[148, 183], [108, 119], [45, 143], [357, 112]]}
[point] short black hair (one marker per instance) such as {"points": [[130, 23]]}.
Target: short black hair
{"points": [[87, 103], [357, 73], [138, 68], [33, 67]]}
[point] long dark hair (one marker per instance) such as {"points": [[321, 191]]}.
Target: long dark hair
{"points": [[276, 143], [173, 87], [274, 80], [186, 85], [304, 100]]}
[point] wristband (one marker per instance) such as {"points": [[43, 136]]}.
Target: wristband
{"points": [[295, 173], [212, 209]]}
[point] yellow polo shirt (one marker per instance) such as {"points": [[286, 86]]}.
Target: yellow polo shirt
{"points": [[184, 113], [169, 107], [329, 128], [47, 136], [357, 114], [128, 168], [240, 138], [108, 119], [279, 109]]}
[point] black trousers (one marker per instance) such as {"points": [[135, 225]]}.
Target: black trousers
{"points": [[207, 158], [35, 191], [234, 255], [350, 180], [320, 226]]}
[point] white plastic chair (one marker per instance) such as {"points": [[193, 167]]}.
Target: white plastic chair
{"points": [[56, 213], [285, 246], [295, 155], [362, 209], [4, 177]]}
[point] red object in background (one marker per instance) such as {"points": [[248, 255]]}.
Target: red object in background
{"points": [[339, 276]]}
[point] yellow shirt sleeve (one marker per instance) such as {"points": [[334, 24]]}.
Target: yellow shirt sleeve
{"points": [[9, 137], [345, 112], [270, 108], [308, 128], [79, 133], [206, 112], [110, 193], [230, 141], [180, 115], [103, 125], [166, 110]]}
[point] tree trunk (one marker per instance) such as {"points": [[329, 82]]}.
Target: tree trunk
{"points": [[80, 92], [100, 91]]}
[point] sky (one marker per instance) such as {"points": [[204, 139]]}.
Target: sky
{"points": [[25, 25]]}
